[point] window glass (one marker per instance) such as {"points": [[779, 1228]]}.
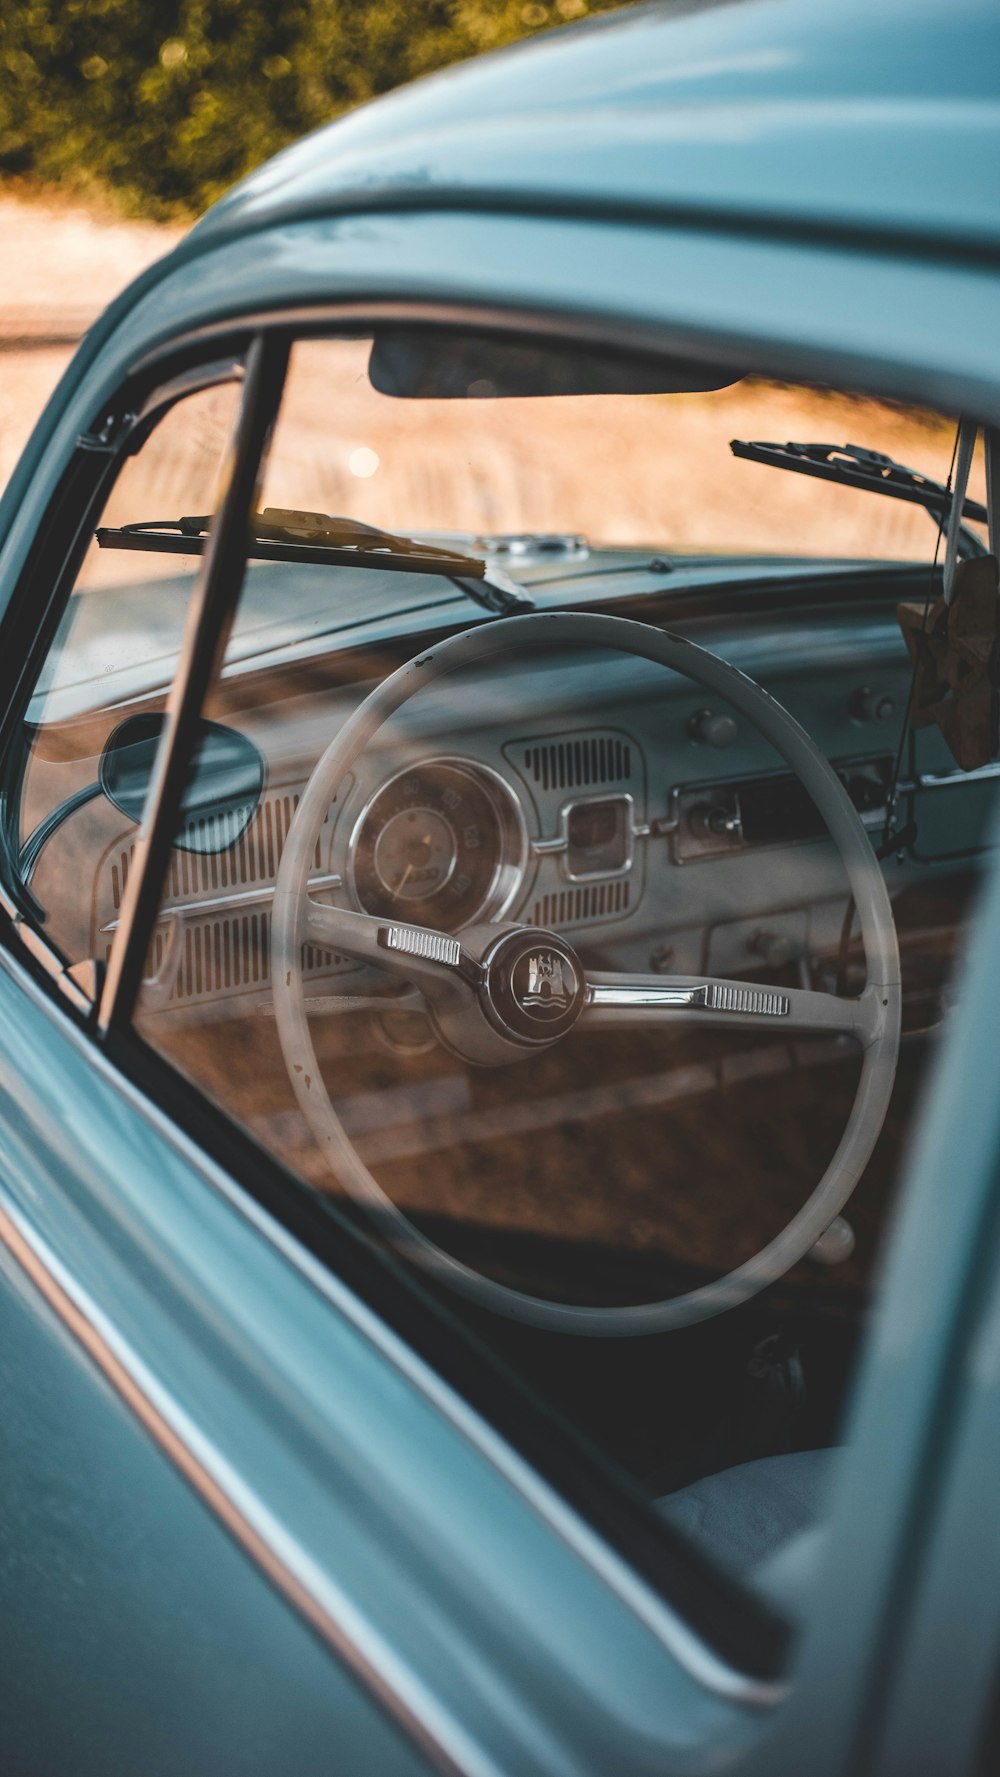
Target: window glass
{"points": [[112, 660], [565, 464], [578, 1020]]}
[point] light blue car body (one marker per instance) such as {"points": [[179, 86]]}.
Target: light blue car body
{"points": [[243, 1528]]}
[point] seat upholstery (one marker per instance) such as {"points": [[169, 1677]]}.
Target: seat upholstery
{"points": [[754, 1516]]}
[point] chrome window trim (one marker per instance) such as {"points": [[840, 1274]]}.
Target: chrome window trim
{"points": [[243, 1515], [216, 592]]}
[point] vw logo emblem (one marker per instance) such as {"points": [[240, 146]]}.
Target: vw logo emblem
{"points": [[534, 989], [544, 984]]}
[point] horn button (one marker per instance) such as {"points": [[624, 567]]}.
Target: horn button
{"points": [[533, 986]]}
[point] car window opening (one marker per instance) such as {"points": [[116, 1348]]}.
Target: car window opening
{"points": [[530, 957]]}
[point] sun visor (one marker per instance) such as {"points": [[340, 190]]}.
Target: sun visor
{"points": [[427, 365]]}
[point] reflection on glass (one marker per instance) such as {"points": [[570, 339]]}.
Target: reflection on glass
{"points": [[618, 820], [114, 655]]}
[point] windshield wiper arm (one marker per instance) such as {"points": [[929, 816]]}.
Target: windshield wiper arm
{"points": [[852, 465], [283, 534]]}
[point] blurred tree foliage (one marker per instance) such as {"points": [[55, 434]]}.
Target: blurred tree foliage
{"points": [[167, 102]]}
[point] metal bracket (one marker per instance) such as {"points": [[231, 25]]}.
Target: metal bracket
{"points": [[105, 438]]}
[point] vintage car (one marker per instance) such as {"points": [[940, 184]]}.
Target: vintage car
{"points": [[500, 944]]}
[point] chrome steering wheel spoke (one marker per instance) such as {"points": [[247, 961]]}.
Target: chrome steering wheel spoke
{"points": [[619, 999], [423, 956]]}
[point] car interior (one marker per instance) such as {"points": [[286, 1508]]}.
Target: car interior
{"points": [[577, 852]]}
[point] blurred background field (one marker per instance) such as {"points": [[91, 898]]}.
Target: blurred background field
{"points": [[164, 105]]}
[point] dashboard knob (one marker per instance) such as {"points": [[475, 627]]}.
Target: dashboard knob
{"points": [[715, 821], [834, 1245], [712, 730], [868, 705]]}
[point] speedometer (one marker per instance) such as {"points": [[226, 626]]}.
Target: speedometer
{"points": [[442, 844]]}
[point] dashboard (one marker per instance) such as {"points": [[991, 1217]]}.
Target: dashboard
{"points": [[593, 793], [606, 798], [601, 796]]}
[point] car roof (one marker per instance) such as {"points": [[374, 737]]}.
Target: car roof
{"points": [[817, 180], [798, 114]]}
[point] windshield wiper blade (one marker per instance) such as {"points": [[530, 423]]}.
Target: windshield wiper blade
{"points": [[852, 465], [283, 534], [497, 593]]}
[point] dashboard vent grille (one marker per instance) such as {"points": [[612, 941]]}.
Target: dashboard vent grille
{"points": [[253, 859], [590, 901], [227, 950], [578, 761], [220, 955], [227, 955]]}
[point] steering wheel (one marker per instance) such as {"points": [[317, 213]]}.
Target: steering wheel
{"points": [[503, 992]]}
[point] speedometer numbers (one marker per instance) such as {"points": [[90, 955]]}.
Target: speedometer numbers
{"points": [[441, 845]]}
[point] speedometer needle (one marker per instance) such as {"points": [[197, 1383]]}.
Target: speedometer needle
{"points": [[424, 840]]}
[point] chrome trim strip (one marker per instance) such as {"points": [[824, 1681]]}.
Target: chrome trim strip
{"points": [[679, 1640], [329, 879], [715, 996], [942, 780], [631, 993], [247, 1519]]}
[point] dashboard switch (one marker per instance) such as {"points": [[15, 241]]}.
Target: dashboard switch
{"points": [[724, 823], [868, 705], [712, 730]]}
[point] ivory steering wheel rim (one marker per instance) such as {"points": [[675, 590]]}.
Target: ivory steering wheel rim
{"points": [[881, 999]]}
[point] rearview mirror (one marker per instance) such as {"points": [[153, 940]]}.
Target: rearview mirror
{"points": [[223, 788], [421, 364]]}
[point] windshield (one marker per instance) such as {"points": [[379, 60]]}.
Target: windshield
{"points": [[284, 607], [647, 469], [553, 480]]}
